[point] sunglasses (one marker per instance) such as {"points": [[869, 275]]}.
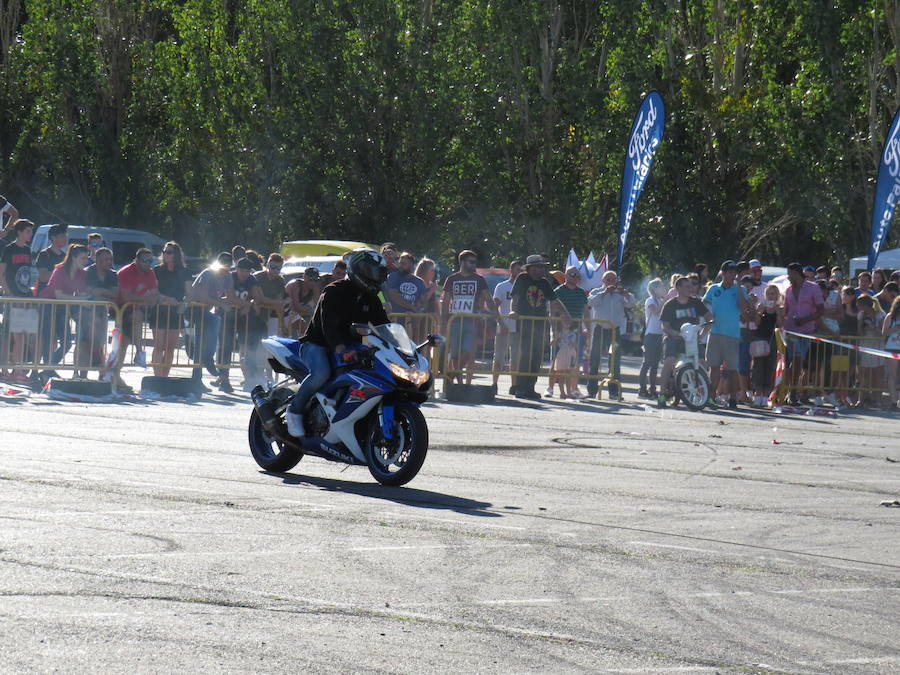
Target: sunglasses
{"points": [[146, 261], [95, 244], [172, 252], [275, 268]]}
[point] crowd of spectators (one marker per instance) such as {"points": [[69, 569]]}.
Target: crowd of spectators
{"points": [[863, 311], [243, 296]]}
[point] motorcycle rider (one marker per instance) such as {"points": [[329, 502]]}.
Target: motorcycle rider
{"points": [[342, 303]]}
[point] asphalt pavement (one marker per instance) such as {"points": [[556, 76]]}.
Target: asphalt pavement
{"points": [[551, 537]]}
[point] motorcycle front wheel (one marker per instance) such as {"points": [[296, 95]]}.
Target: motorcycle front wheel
{"points": [[692, 386], [397, 460], [270, 453]]}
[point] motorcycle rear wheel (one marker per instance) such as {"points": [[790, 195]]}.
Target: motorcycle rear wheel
{"points": [[397, 461], [270, 453]]}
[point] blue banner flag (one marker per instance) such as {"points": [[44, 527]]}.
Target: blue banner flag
{"points": [[645, 137], [887, 190]]}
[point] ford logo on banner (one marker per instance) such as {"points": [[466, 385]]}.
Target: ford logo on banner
{"points": [[887, 190], [645, 137]]}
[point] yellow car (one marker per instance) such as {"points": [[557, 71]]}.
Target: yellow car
{"points": [[321, 247]]}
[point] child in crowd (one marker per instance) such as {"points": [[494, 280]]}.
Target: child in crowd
{"points": [[565, 363]]}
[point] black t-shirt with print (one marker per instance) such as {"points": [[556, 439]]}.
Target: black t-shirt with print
{"points": [[17, 279], [675, 313], [242, 290], [530, 297]]}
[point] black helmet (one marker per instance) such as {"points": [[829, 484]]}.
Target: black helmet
{"points": [[367, 269]]}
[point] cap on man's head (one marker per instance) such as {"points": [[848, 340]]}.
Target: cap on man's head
{"points": [[534, 260], [225, 259], [245, 264], [809, 268], [56, 230], [755, 264], [311, 273], [728, 266]]}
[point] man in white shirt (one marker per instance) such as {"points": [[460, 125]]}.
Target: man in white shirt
{"points": [[607, 303], [506, 342]]}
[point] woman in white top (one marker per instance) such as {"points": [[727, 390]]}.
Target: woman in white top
{"points": [[652, 336]]}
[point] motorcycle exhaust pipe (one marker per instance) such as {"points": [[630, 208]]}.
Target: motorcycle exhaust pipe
{"points": [[265, 407]]}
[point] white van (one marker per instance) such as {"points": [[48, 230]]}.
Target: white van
{"points": [[123, 242]]}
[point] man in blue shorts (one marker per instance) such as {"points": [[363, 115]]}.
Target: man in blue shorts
{"points": [[728, 303], [465, 295]]}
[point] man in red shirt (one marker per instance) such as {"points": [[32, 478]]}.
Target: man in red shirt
{"points": [[138, 285]]}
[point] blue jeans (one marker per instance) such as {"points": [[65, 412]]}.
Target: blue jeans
{"points": [[317, 360], [206, 336], [56, 336]]}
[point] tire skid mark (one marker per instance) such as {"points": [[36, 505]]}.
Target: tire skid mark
{"points": [[419, 523], [735, 421], [314, 606]]}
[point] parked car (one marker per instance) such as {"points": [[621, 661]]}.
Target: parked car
{"points": [[320, 247]]}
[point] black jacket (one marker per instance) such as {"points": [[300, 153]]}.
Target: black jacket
{"points": [[340, 305]]}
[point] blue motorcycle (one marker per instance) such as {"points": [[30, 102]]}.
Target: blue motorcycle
{"points": [[367, 414]]}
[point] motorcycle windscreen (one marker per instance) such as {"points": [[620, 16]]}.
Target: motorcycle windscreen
{"points": [[395, 335]]}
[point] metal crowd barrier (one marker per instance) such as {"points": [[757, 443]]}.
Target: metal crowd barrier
{"points": [[831, 369], [192, 335], [477, 345], [38, 334]]}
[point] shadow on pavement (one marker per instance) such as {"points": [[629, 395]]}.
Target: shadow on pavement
{"points": [[425, 499]]}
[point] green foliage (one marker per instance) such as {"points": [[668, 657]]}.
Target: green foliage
{"points": [[497, 125]]}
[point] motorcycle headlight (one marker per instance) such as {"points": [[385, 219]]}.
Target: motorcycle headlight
{"points": [[413, 375]]}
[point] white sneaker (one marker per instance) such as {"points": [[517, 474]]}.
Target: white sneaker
{"points": [[294, 424], [140, 359], [578, 394], [548, 392], [818, 401]]}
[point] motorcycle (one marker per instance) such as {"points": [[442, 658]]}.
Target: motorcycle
{"points": [[367, 414]]}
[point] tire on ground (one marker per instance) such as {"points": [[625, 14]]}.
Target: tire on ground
{"points": [[169, 386], [470, 393], [82, 387]]}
